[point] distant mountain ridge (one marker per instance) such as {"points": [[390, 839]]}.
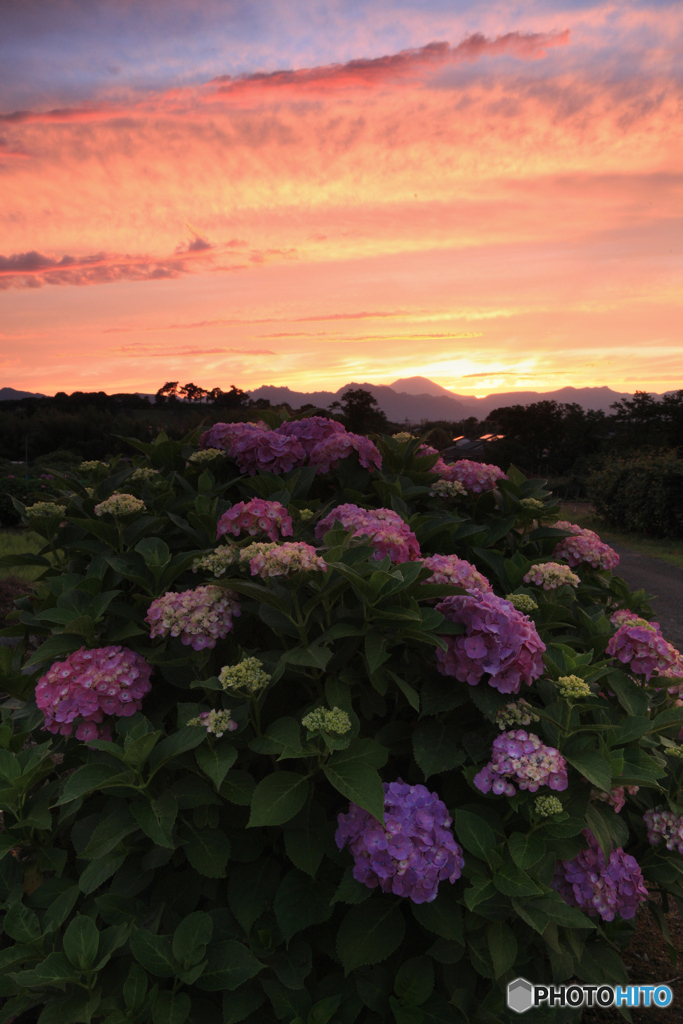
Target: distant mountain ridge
{"points": [[413, 399]]}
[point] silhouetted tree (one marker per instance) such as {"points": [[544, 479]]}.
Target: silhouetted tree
{"points": [[362, 414], [167, 393]]}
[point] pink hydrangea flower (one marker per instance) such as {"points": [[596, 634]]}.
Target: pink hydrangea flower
{"points": [[584, 546], [498, 639], [89, 685], [310, 431], [199, 617], [616, 796], [451, 569], [256, 516], [270, 452], [412, 852], [624, 617], [521, 757], [598, 887], [326, 454], [551, 575], [390, 535], [282, 559], [477, 477], [646, 651]]}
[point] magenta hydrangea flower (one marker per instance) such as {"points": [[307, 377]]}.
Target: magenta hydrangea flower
{"points": [[498, 639], [646, 651], [224, 435], [664, 825], [412, 853], [477, 477], [327, 453], [598, 887], [521, 757], [256, 516], [459, 572], [89, 685], [388, 532], [270, 451], [199, 617], [310, 431], [584, 546]]}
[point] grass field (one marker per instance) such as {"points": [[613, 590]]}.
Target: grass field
{"points": [[13, 542], [582, 514]]}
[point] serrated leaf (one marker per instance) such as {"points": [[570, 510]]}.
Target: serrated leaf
{"points": [[369, 933], [81, 942], [596, 768], [208, 850], [443, 916], [436, 746], [89, 779], [502, 947], [216, 761], [525, 850], [153, 952], [157, 817], [191, 938], [474, 833], [171, 1008], [301, 902], [277, 798], [229, 965]]}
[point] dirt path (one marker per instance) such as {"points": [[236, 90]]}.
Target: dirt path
{"points": [[661, 579]]}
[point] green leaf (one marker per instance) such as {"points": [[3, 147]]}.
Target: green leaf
{"points": [[251, 887], [301, 902], [171, 1008], [81, 942], [369, 933], [135, 987], [502, 947], [154, 551], [187, 738], [277, 798], [21, 924], [110, 832], [153, 952], [98, 871], [191, 938], [216, 761], [525, 850], [208, 851], [239, 1004], [60, 908], [414, 981], [512, 881], [303, 838], [436, 746], [229, 965], [375, 651], [350, 891], [89, 779], [352, 772], [474, 833], [156, 818], [443, 916], [594, 766], [54, 970], [238, 787], [631, 696], [53, 649]]}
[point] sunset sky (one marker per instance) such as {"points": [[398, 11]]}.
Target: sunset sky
{"points": [[308, 193]]}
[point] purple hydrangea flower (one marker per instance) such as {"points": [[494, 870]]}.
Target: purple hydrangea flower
{"points": [[499, 640], [224, 435], [521, 756], [310, 431], [90, 684], [598, 887], [412, 853], [664, 825], [477, 477]]}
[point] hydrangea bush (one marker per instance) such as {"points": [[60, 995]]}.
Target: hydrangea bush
{"points": [[295, 733]]}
